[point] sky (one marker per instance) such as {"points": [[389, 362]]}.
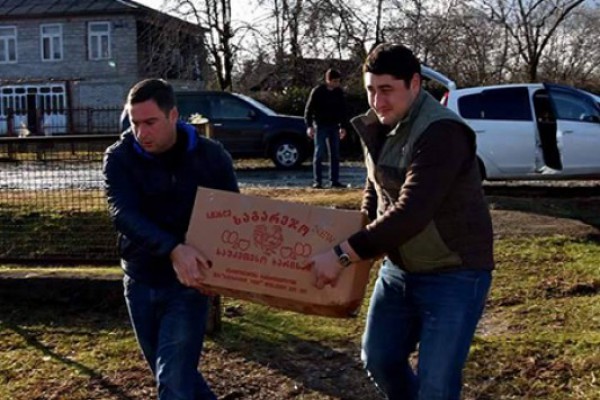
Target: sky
{"points": [[241, 10]]}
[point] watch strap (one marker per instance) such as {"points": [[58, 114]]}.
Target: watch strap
{"points": [[343, 258]]}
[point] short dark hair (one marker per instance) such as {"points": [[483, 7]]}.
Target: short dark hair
{"points": [[331, 74], [392, 59], [158, 90]]}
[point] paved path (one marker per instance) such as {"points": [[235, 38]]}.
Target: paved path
{"points": [[351, 174]]}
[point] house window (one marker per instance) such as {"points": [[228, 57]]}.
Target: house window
{"points": [[52, 42], [8, 44], [99, 40]]}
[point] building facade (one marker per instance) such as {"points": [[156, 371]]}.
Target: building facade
{"points": [[62, 63]]}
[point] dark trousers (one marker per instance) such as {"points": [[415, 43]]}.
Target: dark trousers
{"points": [[327, 138], [169, 325], [439, 312]]}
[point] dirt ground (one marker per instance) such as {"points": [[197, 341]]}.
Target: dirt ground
{"points": [[519, 223]]}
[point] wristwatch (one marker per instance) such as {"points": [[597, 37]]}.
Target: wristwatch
{"points": [[343, 258]]}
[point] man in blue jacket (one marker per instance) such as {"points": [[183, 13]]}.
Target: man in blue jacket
{"points": [[151, 176]]}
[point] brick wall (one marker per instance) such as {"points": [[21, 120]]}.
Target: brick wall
{"points": [[97, 83], [75, 62]]}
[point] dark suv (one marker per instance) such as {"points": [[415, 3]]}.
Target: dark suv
{"points": [[248, 128]]}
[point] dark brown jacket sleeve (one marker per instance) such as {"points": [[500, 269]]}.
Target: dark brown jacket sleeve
{"points": [[369, 200]]}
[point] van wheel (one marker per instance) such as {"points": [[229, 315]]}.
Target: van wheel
{"points": [[286, 153]]}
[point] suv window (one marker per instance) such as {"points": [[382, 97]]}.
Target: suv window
{"points": [[188, 105], [507, 104], [230, 108]]}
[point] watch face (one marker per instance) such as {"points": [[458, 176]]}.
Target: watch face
{"points": [[345, 260]]}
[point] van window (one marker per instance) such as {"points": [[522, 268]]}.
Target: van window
{"points": [[507, 104], [569, 106], [470, 106]]}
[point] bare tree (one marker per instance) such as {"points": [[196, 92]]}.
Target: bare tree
{"points": [[574, 56], [288, 16], [482, 51], [351, 27], [214, 18], [423, 25], [531, 24], [378, 28], [471, 50], [169, 48]]}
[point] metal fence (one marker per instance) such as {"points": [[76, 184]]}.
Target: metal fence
{"points": [[52, 205], [53, 121]]}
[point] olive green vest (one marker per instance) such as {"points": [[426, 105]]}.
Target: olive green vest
{"points": [[425, 251]]}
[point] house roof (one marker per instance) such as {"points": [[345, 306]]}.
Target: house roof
{"points": [[19, 9]]}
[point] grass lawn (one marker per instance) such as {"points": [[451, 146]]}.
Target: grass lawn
{"points": [[539, 338]]}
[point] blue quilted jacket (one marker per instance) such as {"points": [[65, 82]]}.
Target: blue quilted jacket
{"points": [[150, 198]]}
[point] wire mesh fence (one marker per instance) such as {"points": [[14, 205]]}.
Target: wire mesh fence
{"points": [[52, 203], [22, 122]]}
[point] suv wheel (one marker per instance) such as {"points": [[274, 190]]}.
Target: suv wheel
{"points": [[286, 153]]}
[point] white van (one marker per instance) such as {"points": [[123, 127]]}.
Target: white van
{"points": [[530, 131]]}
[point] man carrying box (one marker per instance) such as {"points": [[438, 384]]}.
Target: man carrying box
{"points": [[152, 175], [429, 220]]}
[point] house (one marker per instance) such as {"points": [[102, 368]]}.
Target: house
{"points": [[64, 61]]}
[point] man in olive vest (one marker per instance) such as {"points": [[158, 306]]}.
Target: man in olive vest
{"points": [[430, 223]]}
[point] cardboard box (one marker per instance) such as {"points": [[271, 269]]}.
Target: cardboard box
{"points": [[260, 247]]}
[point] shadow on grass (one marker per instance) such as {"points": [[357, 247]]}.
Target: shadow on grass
{"points": [[584, 209], [332, 368], [65, 317], [83, 306], [56, 236], [95, 376]]}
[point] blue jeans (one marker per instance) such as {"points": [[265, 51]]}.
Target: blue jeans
{"points": [[439, 312], [327, 136], [169, 326]]}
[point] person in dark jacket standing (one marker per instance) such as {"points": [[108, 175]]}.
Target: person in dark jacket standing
{"points": [[151, 176], [429, 221], [326, 109]]}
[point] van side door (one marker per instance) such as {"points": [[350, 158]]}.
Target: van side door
{"points": [[503, 122], [578, 130]]}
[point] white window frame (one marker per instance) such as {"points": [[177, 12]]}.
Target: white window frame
{"points": [[4, 40], [97, 36], [51, 37]]}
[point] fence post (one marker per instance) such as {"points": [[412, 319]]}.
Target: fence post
{"points": [[39, 119], [215, 310], [10, 131], [10, 122], [89, 120]]}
